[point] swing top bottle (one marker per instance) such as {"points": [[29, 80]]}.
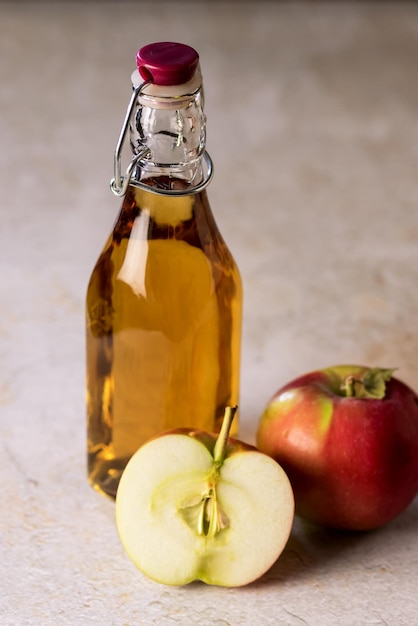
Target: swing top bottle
{"points": [[163, 310]]}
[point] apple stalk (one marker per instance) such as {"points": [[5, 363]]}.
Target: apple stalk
{"points": [[372, 384], [211, 519]]}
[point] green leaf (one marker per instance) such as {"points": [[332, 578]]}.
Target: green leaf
{"points": [[371, 385], [375, 381]]}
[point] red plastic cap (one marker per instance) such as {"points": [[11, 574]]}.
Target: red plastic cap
{"points": [[167, 63]]}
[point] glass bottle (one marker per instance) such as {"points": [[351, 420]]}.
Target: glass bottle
{"points": [[164, 300]]}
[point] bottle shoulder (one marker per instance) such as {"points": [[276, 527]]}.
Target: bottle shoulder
{"points": [[149, 224], [148, 216]]}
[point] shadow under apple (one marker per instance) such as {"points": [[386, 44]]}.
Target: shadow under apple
{"points": [[313, 550]]}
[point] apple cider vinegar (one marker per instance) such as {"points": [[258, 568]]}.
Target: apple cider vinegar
{"points": [[163, 302]]}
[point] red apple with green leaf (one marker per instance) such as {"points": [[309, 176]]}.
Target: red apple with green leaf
{"points": [[347, 437]]}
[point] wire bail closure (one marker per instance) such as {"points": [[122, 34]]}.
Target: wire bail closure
{"points": [[119, 184]]}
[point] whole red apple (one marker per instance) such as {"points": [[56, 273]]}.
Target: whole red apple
{"points": [[347, 437]]}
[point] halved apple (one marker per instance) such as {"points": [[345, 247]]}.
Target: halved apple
{"points": [[191, 506]]}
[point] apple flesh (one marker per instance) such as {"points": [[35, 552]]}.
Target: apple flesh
{"points": [[191, 506], [347, 437]]}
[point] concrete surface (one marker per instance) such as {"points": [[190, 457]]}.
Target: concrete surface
{"points": [[313, 126]]}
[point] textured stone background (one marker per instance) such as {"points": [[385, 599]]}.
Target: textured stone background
{"points": [[313, 126]]}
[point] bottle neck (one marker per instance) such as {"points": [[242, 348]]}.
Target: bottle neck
{"points": [[172, 125]]}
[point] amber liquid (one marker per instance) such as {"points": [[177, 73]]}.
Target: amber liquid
{"points": [[163, 329]]}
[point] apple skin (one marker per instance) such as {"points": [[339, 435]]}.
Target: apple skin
{"points": [[233, 446], [352, 463]]}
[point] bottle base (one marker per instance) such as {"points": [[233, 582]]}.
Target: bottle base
{"points": [[104, 475]]}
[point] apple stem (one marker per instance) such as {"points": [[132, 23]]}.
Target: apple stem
{"points": [[349, 386], [222, 440], [211, 519], [372, 384]]}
